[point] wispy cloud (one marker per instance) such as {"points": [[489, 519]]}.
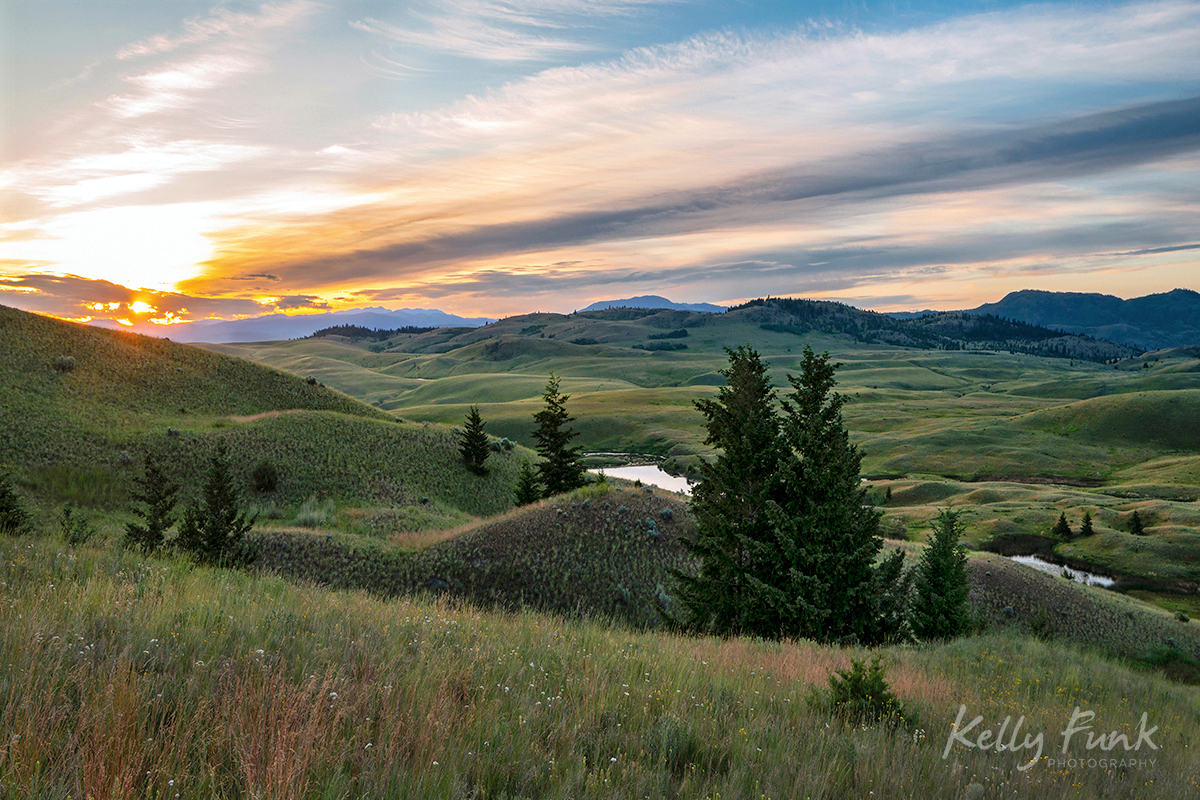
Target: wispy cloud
{"points": [[1036, 141], [493, 30], [222, 23]]}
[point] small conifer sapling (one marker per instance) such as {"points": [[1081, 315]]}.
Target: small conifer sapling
{"points": [[473, 443]]}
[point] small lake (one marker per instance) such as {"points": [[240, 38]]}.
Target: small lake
{"points": [[648, 474], [1087, 578]]}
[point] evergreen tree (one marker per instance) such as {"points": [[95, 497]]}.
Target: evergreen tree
{"points": [[940, 608], [213, 526], [14, 519], [828, 532], [1086, 528], [1136, 527], [784, 536], [528, 489], [156, 495], [473, 443], [734, 536], [1062, 528], [560, 470]]}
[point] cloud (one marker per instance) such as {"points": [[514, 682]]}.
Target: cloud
{"points": [[75, 297], [222, 23], [494, 30], [1093, 144]]}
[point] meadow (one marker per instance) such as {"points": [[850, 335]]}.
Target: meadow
{"points": [[407, 632], [1012, 440], [126, 676]]}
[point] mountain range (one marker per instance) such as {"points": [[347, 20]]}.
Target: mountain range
{"points": [[1156, 321], [275, 327], [1153, 322]]}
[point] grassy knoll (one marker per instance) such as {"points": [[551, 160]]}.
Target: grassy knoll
{"points": [[121, 676], [78, 406], [600, 550]]}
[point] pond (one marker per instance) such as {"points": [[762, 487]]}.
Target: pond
{"points": [[1087, 578], [648, 474]]}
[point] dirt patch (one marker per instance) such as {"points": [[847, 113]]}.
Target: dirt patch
{"points": [[265, 414]]}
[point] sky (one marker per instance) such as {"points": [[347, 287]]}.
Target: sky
{"points": [[164, 161]]}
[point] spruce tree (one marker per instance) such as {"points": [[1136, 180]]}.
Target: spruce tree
{"points": [[828, 532], [1136, 526], [156, 495], [213, 526], [473, 443], [940, 608], [559, 470], [528, 489], [1062, 528], [734, 538], [1086, 528]]}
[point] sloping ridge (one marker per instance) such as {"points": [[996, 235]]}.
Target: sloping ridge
{"points": [[1169, 419]]}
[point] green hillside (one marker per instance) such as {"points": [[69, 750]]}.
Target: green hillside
{"points": [[78, 405]]}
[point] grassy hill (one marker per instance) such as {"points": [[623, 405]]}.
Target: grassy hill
{"points": [[955, 413], [78, 405], [430, 665], [123, 676]]}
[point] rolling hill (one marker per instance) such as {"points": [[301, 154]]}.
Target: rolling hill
{"points": [[78, 405]]}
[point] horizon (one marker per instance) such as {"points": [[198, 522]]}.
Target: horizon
{"points": [[170, 163]]}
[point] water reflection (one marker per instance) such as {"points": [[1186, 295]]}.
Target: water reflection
{"points": [[1079, 576], [649, 474]]}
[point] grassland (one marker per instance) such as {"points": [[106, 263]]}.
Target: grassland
{"points": [[79, 405], [406, 633], [128, 677], [1013, 439]]}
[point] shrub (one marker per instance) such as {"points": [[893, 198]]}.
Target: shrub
{"points": [[264, 477], [14, 519], [65, 363], [861, 693], [667, 513], [74, 528], [1182, 617]]}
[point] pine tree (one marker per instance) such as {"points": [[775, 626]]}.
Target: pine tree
{"points": [[1086, 528], [940, 608], [1136, 527], [528, 489], [156, 495], [1062, 528], [560, 470], [734, 536], [213, 526], [473, 443]]}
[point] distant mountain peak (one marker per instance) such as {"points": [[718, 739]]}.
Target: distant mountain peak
{"points": [[654, 301], [1166, 319], [272, 327]]}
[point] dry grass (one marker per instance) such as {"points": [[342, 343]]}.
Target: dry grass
{"points": [[121, 677]]}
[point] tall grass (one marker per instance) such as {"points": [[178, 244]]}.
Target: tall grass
{"points": [[126, 677]]}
